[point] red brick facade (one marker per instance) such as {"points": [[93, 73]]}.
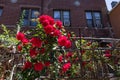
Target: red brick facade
{"points": [[115, 20], [12, 11]]}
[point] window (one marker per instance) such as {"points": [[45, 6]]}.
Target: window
{"points": [[63, 15], [1, 10], [28, 15], [93, 19]]}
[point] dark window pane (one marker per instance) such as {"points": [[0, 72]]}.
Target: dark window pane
{"points": [[33, 13], [97, 19], [88, 15], [89, 23], [33, 23], [93, 19], [1, 10], [25, 22], [57, 14], [98, 23], [97, 15], [26, 14], [56, 19], [66, 22], [62, 15], [66, 14]]}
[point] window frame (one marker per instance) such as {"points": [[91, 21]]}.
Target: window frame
{"points": [[62, 18], [29, 15], [94, 19]]}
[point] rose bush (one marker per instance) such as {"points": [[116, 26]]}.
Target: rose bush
{"points": [[48, 52], [42, 50]]}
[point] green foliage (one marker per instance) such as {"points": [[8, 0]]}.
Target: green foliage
{"points": [[20, 23], [6, 38]]}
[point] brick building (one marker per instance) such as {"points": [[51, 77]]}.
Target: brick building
{"points": [[88, 17], [114, 15]]}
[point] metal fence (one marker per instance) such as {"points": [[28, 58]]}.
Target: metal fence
{"points": [[95, 65]]}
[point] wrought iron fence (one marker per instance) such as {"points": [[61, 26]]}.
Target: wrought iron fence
{"points": [[93, 63]]}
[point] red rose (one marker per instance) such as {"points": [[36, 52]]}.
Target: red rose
{"points": [[45, 23], [59, 24], [47, 63], [27, 65], [19, 47], [107, 52], [68, 44], [46, 17], [66, 67], [36, 42], [33, 53], [25, 41], [42, 18], [48, 29], [108, 55], [38, 66], [20, 36], [76, 59], [62, 40], [51, 20], [56, 33], [60, 58], [110, 45], [69, 54], [68, 35], [84, 63], [42, 50]]}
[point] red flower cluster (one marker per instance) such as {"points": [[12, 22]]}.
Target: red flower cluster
{"points": [[66, 67], [19, 47], [66, 56], [20, 36], [46, 20], [49, 28], [36, 42], [63, 41], [38, 66], [48, 25], [107, 54], [47, 63], [27, 65], [38, 45], [42, 50], [69, 54], [60, 58], [33, 53], [59, 24]]}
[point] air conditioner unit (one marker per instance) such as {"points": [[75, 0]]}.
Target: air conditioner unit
{"points": [[66, 23]]}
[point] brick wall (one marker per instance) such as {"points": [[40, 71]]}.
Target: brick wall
{"points": [[11, 11], [115, 20]]}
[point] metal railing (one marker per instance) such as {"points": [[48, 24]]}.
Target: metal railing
{"points": [[100, 68], [92, 32]]}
